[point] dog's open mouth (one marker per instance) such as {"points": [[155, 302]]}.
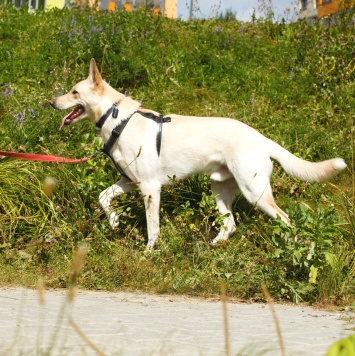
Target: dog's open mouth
{"points": [[67, 120]]}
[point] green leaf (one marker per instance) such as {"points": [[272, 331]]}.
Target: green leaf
{"points": [[330, 258], [313, 274]]}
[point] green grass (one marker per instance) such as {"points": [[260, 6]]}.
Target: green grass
{"points": [[293, 82]]}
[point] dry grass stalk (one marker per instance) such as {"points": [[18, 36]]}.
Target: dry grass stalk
{"points": [[40, 290], [78, 263], [85, 338], [270, 302], [225, 318]]}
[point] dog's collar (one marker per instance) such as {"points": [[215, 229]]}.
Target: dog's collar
{"points": [[112, 110]]}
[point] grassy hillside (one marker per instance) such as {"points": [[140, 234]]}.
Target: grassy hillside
{"points": [[294, 83]]}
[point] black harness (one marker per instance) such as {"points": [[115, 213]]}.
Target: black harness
{"points": [[117, 131]]}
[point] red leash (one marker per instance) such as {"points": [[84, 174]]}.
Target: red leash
{"points": [[46, 158]]}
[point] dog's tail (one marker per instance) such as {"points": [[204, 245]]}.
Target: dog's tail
{"points": [[305, 170]]}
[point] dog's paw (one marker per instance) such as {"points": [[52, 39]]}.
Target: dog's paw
{"points": [[221, 237], [215, 242], [114, 220]]}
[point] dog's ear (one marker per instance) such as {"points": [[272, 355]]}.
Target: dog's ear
{"points": [[94, 74]]}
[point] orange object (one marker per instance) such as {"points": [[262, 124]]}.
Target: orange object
{"points": [[112, 6], [326, 7]]}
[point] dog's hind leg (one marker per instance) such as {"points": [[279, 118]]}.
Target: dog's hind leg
{"points": [[151, 193], [225, 194], [267, 204], [106, 196], [254, 183]]}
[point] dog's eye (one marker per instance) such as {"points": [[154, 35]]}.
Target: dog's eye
{"points": [[74, 92]]}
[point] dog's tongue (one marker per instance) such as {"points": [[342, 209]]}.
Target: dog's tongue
{"points": [[62, 123], [67, 120]]}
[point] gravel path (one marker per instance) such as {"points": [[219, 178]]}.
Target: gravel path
{"points": [[139, 324]]}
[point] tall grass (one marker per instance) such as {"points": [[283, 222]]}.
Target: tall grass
{"points": [[293, 82]]}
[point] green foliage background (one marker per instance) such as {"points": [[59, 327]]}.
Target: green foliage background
{"points": [[293, 82]]}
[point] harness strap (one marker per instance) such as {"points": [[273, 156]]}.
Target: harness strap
{"points": [[115, 134], [150, 115], [117, 131], [159, 120]]}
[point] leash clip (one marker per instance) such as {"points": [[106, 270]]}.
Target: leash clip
{"points": [[94, 154]]}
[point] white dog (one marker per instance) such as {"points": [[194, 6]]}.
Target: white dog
{"points": [[148, 149]]}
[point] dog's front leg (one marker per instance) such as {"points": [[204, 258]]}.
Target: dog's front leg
{"points": [[151, 192], [106, 196]]}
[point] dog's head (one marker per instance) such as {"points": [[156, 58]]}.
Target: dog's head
{"points": [[86, 97]]}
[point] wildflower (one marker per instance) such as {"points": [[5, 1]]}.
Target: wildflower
{"points": [[20, 116], [7, 92], [32, 112]]}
